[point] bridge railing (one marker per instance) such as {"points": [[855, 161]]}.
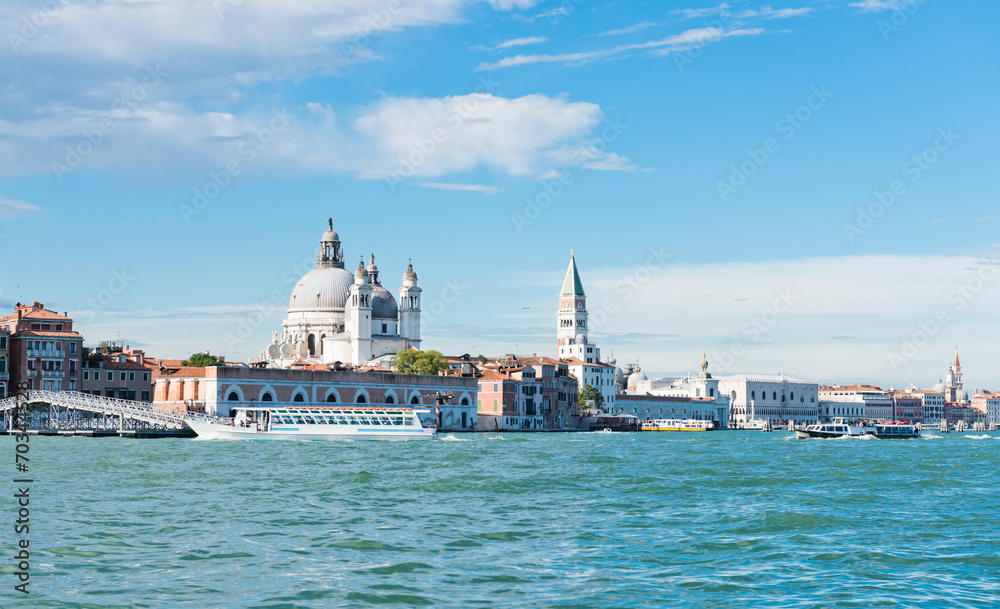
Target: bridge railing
{"points": [[142, 411]]}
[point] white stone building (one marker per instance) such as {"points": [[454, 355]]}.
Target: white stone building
{"points": [[774, 398], [573, 345], [338, 316], [709, 402], [855, 402], [932, 405]]}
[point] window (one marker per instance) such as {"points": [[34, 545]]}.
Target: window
{"points": [[298, 398], [267, 397], [331, 398], [385, 329], [131, 377], [233, 396], [3, 342], [123, 377], [72, 384], [3, 390], [86, 375], [145, 396], [145, 377], [362, 399], [111, 376], [416, 400], [774, 395], [72, 348], [390, 400]]}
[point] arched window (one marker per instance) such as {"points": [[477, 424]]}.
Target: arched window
{"points": [[362, 399], [389, 399], [792, 396], [465, 401], [233, 396], [323, 336], [415, 400], [495, 404], [267, 397], [753, 395], [332, 397], [774, 395], [3, 364], [312, 344], [299, 398]]}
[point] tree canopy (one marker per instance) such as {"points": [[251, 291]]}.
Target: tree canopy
{"points": [[410, 361], [590, 393], [203, 359]]}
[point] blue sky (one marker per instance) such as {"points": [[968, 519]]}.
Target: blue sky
{"points": [[166, 169]]}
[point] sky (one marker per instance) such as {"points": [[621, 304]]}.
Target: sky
{"points": [[802, 187]]}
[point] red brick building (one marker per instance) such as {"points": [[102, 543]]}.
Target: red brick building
{"points": [[43, 349]]}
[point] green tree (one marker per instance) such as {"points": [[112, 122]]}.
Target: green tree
{"points": [[590, 393], [410, 361], [203, 359]]}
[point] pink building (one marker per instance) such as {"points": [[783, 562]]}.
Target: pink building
{"points": [[510, 400], [907, 407], [43, 349], [216, 390]]}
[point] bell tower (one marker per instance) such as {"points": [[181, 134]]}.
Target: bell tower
{"points": [[409, 308], [359, 316], [572, 331]]}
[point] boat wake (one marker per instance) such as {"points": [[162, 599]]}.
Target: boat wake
{"points": [[864, 438], [451, 438], [930, 437], [982, 437]]}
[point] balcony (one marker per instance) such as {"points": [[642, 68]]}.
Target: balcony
{"points": [[32, 374], [53, 373], [4, 376], [50, 354]]}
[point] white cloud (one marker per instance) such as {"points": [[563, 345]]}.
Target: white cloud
{"points": [[663, 46], [765, 12], [12, 208], [519, 42], [486, 190], [630, 29], [872, 6], [414, 137], [507, 5]]}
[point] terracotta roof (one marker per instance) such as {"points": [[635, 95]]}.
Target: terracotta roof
{"points": [[184, 371], [48, 333], [536, 360], [574, 361], [490, 375]]}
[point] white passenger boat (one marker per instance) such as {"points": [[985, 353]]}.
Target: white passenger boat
{"points": [[676, 425], [840, 428], [316, 423]]}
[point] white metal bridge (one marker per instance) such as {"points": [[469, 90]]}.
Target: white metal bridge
{"points": [[71, 412]]}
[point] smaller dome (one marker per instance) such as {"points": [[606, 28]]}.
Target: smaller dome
{"points": [[361, 273], [383, 304], [619, 376], [962, 396], [330, 234], [410, 274], [939, 386], [372, 269], [580, 339]]}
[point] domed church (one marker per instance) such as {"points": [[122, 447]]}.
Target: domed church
{"points": [[338, 316]]}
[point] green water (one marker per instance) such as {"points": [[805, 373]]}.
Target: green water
{"points": [[724, 519]]}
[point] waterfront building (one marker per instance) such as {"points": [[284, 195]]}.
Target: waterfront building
{"points": [[988, 403], [338, 316], [906, 407], [702, 390], [573, 344], [116, 376], [43, 349], [4, 361], [216, 390], [861, 401], [774, 398], [931, 404], [510, 400], [647, 407], [560, 406]]}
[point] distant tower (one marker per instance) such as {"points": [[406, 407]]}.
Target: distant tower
{"points": [[953, 389], [330, 255], [359, 316], [572, 331], [409, 308]]}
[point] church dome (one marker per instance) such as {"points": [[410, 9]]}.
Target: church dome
{"points": [[619, 376], [962, 396], [939, 386], [636, 378], [383, 304], [330, 235], [322, 289]]}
